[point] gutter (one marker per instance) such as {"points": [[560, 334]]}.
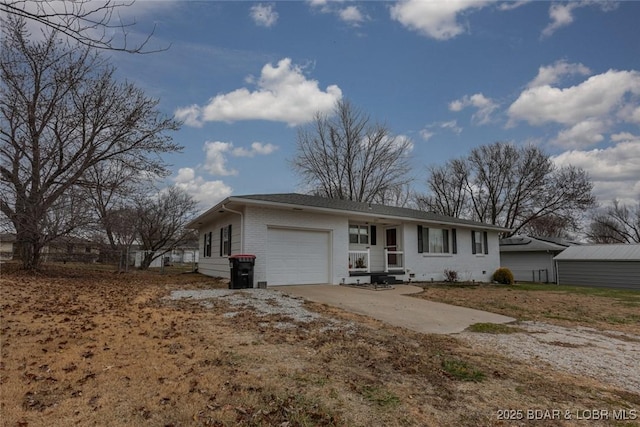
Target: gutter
{"points": [[333, 211], [241, 226]]}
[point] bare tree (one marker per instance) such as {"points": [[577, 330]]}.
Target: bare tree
{"points": [[548, 226], [95, 24], [112, 191], [618, 224], [61, 114], [345, 156], [511, 187], [447, 189], [161, 223]]}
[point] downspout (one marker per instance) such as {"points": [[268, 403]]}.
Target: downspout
{"points": [[241, 226]]}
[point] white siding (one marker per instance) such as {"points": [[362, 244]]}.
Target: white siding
{"points": [[469, 266], [259, 219], [424, 267], [216, 265]]}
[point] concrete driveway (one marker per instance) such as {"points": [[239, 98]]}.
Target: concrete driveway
{"points": [[396, 307]]}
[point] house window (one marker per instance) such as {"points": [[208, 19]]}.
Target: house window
{"points": [[225, 240], [436, 240], [479, 244], [206, 250], [359, 234]]}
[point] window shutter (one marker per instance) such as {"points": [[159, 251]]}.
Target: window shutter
{"points": [[454, 241], [204, 245], [229, 237], [221, 237], [473, 242], [486, 243], [426, 239], [372, 232], [420, 243], [445, 241]]}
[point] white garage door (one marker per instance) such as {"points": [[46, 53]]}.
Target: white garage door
{"points": [[297, 257]]}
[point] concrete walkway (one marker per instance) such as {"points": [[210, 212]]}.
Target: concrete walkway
{"points": [[396, 308]]}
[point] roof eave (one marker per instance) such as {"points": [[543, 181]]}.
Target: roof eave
{"points": [[333, 211]]}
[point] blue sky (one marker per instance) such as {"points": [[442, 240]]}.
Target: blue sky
{"points": [[449, 75]]}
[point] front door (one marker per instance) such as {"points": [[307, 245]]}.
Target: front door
{"points": [[392, 245]]}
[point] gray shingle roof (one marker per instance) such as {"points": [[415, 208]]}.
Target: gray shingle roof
{"points": [[530, 244], [617, 252], [304, 200]]}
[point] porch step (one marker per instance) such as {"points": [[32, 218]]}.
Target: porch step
{"points": [[383, 279]]}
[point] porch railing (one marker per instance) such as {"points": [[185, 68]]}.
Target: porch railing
{"points": [[393, 260], [359, 261]]}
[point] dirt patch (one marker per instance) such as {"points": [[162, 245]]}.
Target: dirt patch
{"points": [[82, 348]]}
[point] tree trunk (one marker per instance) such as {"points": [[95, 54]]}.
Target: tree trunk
{"points": [[28, 249], [145, 262]]}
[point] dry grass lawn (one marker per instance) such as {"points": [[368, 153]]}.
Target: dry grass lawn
{"points": [[85, 347]]}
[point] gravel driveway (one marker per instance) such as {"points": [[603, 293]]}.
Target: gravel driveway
{"points": [[608, 356]]}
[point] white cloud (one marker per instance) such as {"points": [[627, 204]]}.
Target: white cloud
{"points": [[623, 136], [431, 130], [552, 74], [318, 3], [119, 14], [452, 126], [283, 94], [561, 14], [352, 15], [264, 15], [256, 148], [510, 5], [207, 193], [630, 113], [586, 110], [435, 19], [426, 134], [582, 134], [215, 161], [485, 107], [190, 115], [613, 170], [216, 155], [401, 140], [598, 96]]}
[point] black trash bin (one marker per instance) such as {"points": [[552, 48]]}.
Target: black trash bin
{"points": [[241, 271]]}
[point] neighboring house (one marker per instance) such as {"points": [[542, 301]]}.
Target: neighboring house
{"points": [[184, 254], [302, 239], [71, 249], [6, 246], [62, 249], [530, 259], [614, 266]]}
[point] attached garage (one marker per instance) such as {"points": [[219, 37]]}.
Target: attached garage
{"points": [[612, 266], [298, 257]]}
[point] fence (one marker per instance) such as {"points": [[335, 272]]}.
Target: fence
{"points": [[122, 260], [537, 276]]}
